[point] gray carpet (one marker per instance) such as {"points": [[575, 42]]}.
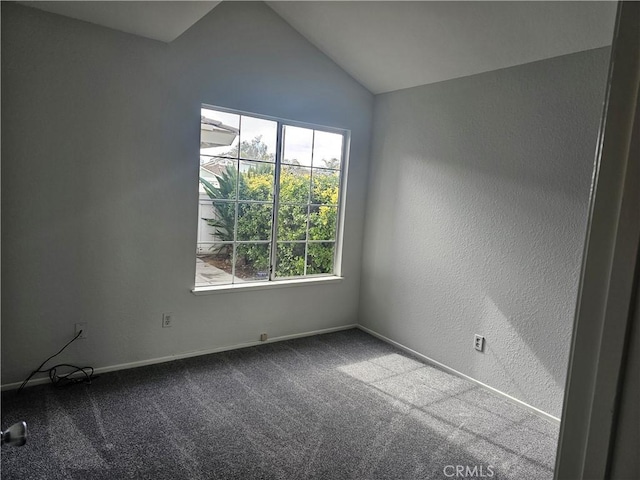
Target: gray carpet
{"points": [[338, 406]]}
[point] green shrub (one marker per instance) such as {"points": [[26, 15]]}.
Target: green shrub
{"points": [[254, 220]]}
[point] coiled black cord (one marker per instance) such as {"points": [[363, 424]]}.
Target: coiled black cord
{"points": [[65, 379]]}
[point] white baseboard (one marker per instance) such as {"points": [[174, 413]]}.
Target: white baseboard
{"points": [[508, 397], [179, 356], [169, 358]]}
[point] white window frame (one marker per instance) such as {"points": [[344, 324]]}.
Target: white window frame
{"points": [[273, 281]]}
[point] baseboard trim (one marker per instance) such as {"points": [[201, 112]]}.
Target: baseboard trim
{"points": [[169, 358], [431, 361], [197, 353]]}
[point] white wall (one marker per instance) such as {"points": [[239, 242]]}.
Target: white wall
{"points": [[99, 182], [476, 217]]}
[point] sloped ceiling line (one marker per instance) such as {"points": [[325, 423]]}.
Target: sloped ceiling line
{"points": [[391, 45]]}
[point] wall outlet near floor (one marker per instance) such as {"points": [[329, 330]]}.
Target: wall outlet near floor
{"points": [[167, 320], [478, 343], [81, 326], [263, 337]]}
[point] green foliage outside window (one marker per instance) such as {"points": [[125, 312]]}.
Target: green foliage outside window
{"points": [[303, 201]]}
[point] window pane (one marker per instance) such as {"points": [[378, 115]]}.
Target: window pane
{"points": [[220, 220], [240, 158], [322, 222], [254, 221], [327, 150], [218, 178], [290, 259], [258, 139], [297, 145], [252, 261], [325, 186], [205, 231], [295, 184], [256, 181], [320, 258], [214, 266], [292, 222], [219, 133]]}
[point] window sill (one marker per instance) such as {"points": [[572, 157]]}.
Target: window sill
{"points": [[245, 287]]}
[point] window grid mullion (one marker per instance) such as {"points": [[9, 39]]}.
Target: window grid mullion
{"points": [[306, 237], [253, 202], [276, 201], [337, 246], [240, 242], [303, 204], [224, 157], [278, 159], [235, 222], [306, 243], [302, 241]]}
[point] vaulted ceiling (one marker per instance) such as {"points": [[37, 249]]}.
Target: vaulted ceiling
{"points": [[389, 45], [159, 20], [392, 45]]}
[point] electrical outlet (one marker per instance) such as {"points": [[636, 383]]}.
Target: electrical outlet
{"points": [[167, 320], [478, 343], [263, 337], [81, 326]]}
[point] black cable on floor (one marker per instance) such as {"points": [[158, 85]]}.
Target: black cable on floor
{"points": [[65, 379]]}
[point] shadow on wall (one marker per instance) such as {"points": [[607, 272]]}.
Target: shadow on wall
{"points": [[508, 349], [496, 257], [481, 200]]}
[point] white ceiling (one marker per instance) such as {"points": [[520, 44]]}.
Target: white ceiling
{"points": [[158, 20], [392, 45], [389, 45]]}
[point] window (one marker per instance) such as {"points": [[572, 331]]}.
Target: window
{"points": [[269, 198]]}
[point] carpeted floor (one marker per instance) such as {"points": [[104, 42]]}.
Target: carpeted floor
{"points": [[338, 406]]}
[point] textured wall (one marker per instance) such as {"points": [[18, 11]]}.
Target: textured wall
{"points": [[99, 182], [477, 208]]}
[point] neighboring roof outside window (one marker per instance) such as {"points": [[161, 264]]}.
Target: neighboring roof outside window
{"points": [[214, 133]]}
